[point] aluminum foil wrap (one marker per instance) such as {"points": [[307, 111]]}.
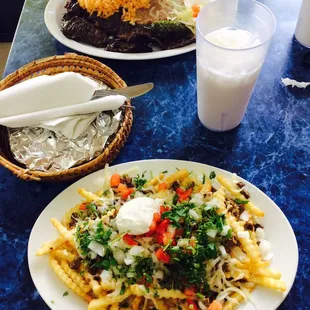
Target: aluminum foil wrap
{"points": [[44, 150]]}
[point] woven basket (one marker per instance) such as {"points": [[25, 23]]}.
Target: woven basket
{"points": [[50, 66]]}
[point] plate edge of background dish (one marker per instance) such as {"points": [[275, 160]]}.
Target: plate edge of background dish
{"points": [[179, 162], [50, 19]]}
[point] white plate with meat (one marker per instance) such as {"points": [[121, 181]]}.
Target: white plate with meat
{"points": [[152, 36]]}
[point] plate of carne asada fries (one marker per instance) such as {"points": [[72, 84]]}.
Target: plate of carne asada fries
{"points": [[162, 234]]}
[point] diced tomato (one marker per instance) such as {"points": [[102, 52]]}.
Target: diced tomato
{"points": [[126, 193], [162, 255], [156, 217], [115, 180], [83, 206], [129, 240], [195, 9], [159, 238], [163, 209], [190, 291], [162, 227], [191, 304], [167, 237], [153, 226], [183, 194], [162, 186], [179, 232]]}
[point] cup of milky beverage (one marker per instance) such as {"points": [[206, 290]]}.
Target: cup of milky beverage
{"points": [[233, 37]]}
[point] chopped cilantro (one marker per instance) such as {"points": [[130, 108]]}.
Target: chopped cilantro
{"points": [[52, 301], [122, 291], [229, 234], [155, 295], [241, 202], [102, 235], [84, 239], [175, 199], [204, 178], [212, 175], [106, 192], [166, 171], [177, 212], [107, 262], [66, 293], [143, 268], [82, 273], [139, 182]]}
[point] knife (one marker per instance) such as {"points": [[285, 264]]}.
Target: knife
{"points": [[129, 92]]}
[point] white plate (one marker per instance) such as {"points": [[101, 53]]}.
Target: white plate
{"points": [[53, 14], [277, 228]]}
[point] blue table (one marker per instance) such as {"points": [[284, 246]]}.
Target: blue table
{"points": [[270, 148]]}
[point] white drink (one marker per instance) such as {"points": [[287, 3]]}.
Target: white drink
{"points": [[225, 87], [232, 40], [302, 32]]}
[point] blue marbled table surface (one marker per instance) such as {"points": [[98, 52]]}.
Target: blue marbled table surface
{"points": [[270, 148]]}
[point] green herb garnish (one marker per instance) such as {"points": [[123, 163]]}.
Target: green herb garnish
{"points": [[241, 202], [175, 199], [204, 178], [106, 192], [65, 294], [139, 182], [122, 291], [102, 235], [212, 175]]}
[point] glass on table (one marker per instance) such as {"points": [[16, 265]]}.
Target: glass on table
{"points": [[232, 42]]}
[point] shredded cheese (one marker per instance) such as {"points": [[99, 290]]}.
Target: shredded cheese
{"points": [[106, 8]]}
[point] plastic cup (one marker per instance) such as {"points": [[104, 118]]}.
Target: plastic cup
{"points": [[302, 31], [229, 60]]}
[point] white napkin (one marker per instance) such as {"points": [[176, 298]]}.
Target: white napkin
{"points": [[59, 103]]}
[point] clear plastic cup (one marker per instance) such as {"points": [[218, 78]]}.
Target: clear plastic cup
{"points": [[232, 42]]}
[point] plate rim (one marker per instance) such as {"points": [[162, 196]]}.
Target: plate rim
{"points": [[49, 19], [136, 162]]}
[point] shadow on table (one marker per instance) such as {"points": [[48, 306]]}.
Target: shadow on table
{"points": [[134, 70]]}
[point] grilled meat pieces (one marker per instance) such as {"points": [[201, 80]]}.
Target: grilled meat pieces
{"points": [[118, 36]]}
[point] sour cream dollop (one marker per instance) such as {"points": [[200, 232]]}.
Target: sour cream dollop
{"points": [[135, 216]]}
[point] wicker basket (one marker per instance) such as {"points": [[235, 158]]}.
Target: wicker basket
{"points": [[50, 66]]}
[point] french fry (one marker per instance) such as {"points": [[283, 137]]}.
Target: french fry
{"points": [[101, 303], [76, 278], [67, 280], [180, 175], [235, 300], [232, 188], [50, 246], [248, 245], [67, 217], [160, 304], [63, 231], [115, 307], [136, 303], [64, 254], [220, 196], [268, 282], [89, 196]]}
